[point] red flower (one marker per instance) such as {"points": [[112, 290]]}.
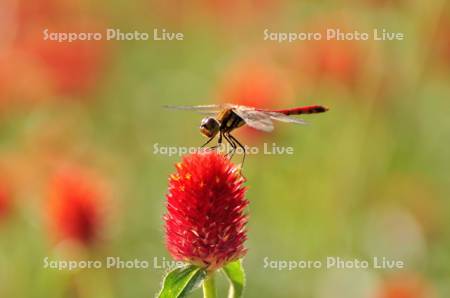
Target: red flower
{"points": [[5, 201], [255, 83], [76, 207], [339, 62], [205, 220], [336, 60], [71, 68], [20, 79], [406, 286], [34, 69], [441, 41]]}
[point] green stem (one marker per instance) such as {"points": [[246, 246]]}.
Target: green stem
{"points": [[209, 286]]}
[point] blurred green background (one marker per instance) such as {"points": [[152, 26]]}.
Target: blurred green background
{"points": [[368, 178]]}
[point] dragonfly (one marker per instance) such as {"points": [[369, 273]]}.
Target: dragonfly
{"points": [[223, 119]]}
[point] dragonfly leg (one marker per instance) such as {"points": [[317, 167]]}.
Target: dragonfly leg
{"points": [[241, 146], [219, 142], [233, 145], [207, 142]]}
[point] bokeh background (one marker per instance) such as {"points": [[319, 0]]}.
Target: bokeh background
{"points": [[78, 123]]}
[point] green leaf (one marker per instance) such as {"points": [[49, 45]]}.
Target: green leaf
{"points": [[235, 273], [181, 281]]}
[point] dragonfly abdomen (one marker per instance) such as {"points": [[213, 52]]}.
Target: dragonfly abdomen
{"points": [[303, 110]]}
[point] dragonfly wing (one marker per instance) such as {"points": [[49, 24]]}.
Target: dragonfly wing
{"points": [[286, 118], [255, 119], [208, 109]]}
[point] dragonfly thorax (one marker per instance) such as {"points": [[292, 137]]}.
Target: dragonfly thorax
{"points": [[209, 126]]}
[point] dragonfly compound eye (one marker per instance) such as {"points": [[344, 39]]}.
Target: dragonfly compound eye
{"points": [[209, 127]]}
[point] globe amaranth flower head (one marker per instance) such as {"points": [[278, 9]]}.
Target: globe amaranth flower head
{"points": [[77, 206], [5, 199], [205, 220]]}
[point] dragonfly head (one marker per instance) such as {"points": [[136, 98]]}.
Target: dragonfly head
{"points": [[209, 127]]}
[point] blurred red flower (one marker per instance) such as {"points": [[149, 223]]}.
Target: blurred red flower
{"points": [[405, 286], [5, 199], [72, 68], [441, 42], [46, 67], [255, 83], [41, 11], [77, 207], [19, 79], [205, 220], [340, 62]]}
